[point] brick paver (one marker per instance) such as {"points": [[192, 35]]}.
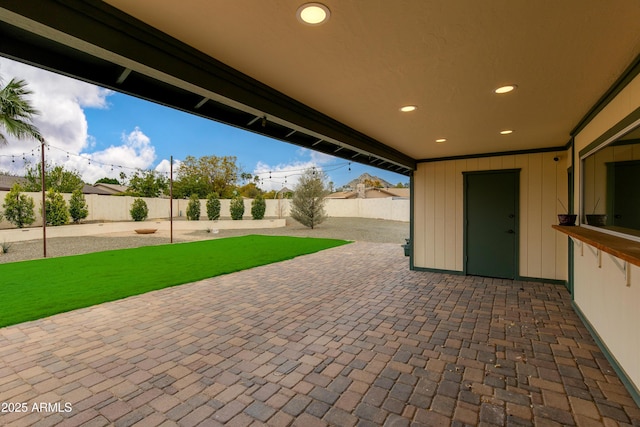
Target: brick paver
{"points": [[348, 336]]}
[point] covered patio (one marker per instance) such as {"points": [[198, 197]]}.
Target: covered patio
{"points": [[290, 344]]}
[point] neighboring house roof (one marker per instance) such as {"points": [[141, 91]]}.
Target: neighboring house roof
{"points": [[7, 181], [342, 195], [111, 188], [371, 193], [397, 192], [90, 189]]}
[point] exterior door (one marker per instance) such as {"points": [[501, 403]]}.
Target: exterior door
{"points": [[491, 217]]}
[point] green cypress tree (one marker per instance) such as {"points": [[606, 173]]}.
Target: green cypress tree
{"points": [[193, 208], [57, 212], [78, 207], [18, 207], [258, 207], [213, 207]]}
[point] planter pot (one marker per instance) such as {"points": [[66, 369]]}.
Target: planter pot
{"points": [[145, 230], [567, 219], [597, 220]]}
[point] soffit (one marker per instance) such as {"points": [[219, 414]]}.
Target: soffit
{"points": [[374, 56]]}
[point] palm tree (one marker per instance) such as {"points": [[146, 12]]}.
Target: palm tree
{"points": [[16, 112]]}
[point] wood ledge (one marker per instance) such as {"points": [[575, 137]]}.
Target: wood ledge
{"points": [[625, 249]]}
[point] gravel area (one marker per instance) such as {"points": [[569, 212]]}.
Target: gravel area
{"points": [[359, 229]]}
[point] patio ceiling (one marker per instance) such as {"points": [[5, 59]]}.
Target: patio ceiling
{"points": [[338, 87]]}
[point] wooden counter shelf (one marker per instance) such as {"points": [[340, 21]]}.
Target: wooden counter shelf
{"points": [[624, 249]]}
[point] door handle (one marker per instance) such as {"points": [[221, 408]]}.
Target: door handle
{"points": [[512, 215], [511, 231]]}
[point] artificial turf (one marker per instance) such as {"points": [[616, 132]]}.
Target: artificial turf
{"points": [[35, 289]]}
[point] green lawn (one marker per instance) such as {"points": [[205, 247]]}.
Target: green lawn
{"points": [[35, 289]]}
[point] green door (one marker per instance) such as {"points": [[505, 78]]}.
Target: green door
{"points": [[491, 216]]}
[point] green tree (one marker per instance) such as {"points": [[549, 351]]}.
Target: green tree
{"points": [[106, 180], [18, 207], [237, 207], [213, 207], [78, 206], [57, 212], [307, 205], [55, 178], [258, 207], [249, 190], [205, 175], [139, 210], [16, 112], [147, 184], [193, 208]]}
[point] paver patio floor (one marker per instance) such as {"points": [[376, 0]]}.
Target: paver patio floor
{"points": [[347, 336]]}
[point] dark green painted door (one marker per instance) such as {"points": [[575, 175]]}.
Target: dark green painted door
{"points": [[491, 212]]}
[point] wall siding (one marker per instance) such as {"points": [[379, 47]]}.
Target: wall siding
{"points": [[600, 290], [439, 206]]}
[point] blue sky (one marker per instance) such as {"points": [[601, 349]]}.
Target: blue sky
{"points": [[101, 133]]}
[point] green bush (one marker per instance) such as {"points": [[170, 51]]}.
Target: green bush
{"points": [[78, 206], [258, 206], [18, 208], [193, 208], [56, 207], [139, 210], [213, 207], [237, 207]]}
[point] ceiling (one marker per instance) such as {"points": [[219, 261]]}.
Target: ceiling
{"points": [[374, 56]]}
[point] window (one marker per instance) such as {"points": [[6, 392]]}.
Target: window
{"points": [[611, 182]]}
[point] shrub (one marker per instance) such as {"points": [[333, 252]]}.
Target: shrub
{"points": [[18, 208], [139, 210], [4, 247], [237, 207], [56, 208], [193, 208], [213, 207], [307, 205], [78, 206], [258, 206]]}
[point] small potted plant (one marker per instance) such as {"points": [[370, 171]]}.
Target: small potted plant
{"points": [[597, 220], [567, 218]]}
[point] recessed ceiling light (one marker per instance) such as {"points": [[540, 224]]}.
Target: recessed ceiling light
{"points": [[441, 140], [506, 89], [313, 13], [506, 132], [408, 108]]}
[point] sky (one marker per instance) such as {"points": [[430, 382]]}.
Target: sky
{"points": [[101, 133]]}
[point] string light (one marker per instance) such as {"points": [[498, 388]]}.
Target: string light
{"points": [[262, 176]]}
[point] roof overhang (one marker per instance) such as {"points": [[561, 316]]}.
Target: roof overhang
{"points": [[96, 43]]}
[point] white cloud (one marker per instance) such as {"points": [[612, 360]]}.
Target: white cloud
{"points": [[282, 175], [165, 167], [61, 102]]}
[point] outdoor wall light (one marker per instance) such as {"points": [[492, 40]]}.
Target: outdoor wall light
{"points": [[313, 13], [441, 140], [506, 132]]}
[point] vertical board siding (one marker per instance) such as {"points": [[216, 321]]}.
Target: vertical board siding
{"points": [[419, 217], [550, 209], [439, 223], [600, 291], [450, 216], [440, 214]]}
